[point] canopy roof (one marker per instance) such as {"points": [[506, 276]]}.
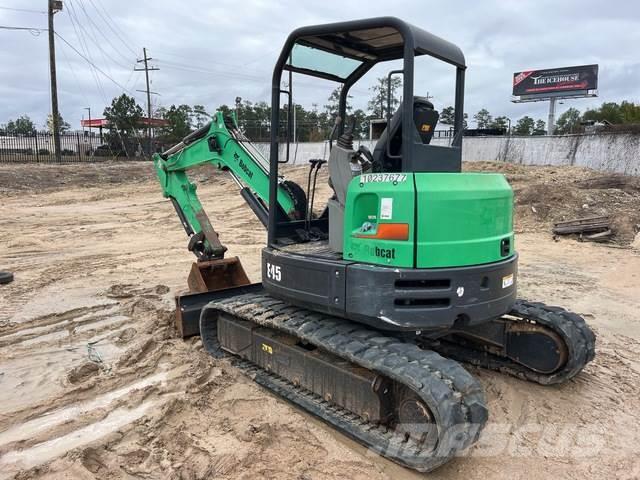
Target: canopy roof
{"points": [[143, 122], [336, 51]]}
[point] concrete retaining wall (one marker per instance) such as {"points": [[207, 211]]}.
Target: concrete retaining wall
{"points": [[605, 152]]}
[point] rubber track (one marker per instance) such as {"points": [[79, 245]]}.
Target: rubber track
{"points": [[456, 398], [572, 328]]}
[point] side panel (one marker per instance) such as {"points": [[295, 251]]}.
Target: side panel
{"points": [[311, 282], [379, 214], [463, 219]]}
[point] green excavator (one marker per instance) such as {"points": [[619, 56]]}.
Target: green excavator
{"points": [[366, 308]]}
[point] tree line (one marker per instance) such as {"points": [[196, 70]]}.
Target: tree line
{"points": [[524, 126], [314, 124], [311, 125], [570, 121], [23, 125], [125, 115], [623, 113]]}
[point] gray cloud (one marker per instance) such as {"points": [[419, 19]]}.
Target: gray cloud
{"points": [[209, 53]]}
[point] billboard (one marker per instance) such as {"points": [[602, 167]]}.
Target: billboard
{"points": [[556, 82]]}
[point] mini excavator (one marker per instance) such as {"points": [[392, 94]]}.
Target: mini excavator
{"points": [[367, 309]]}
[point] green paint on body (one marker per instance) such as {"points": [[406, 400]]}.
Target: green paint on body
{"points": [[464, 217], [371, 200], [454, 219]]}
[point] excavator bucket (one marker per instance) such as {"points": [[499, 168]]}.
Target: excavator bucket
{"points": [[215, 275], [208, 280]]}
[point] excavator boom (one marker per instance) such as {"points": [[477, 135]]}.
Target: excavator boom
{"points": [[221, 144]]}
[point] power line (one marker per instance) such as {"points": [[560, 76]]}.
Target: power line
{"points": [[93, 38], [85, 49], [108, 40], [221, 73], [115, 25], [73, 72], [131, 74], [134, 86], [32, 30], [109, 24], [85, 37], [91, 63], [252, 78], [87, 56], [23, 10], [209, 62]]}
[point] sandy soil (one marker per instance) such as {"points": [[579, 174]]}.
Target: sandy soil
{"points": [[94, 384]]}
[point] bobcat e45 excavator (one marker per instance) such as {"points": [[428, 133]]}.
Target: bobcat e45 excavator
{"points": [[364, 311]]}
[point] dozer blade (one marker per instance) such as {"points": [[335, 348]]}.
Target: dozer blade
{"points": [[215, 275], [189, 306]]}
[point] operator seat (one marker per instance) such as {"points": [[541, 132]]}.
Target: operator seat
{"points": [[425, 119]]}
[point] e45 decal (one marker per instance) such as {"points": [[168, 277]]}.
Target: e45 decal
{"points": [[274, 272]]}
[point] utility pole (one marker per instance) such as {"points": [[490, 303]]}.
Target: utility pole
{"points": [[551, 127], [54, 6], [147, 69], [238, 104]]}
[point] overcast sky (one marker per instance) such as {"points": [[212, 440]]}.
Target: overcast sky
{"points": [[210, 52]]}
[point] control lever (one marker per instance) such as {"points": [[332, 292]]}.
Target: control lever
{"points": [[315, 164], [366, 158], [353, 124], [333, 131]]}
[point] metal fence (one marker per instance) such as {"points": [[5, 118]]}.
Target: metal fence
{"points": [[74, 147], [85, 146]]}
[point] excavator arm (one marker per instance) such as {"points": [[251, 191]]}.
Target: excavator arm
{"points": [[221, 144]]}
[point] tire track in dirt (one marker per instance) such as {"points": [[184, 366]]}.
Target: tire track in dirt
{"points": [[100, 394]]}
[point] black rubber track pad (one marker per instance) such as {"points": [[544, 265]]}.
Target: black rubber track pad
{"points": [[454, 397]]}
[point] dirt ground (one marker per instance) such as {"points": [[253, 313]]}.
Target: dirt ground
{"points": [[95, 385]]}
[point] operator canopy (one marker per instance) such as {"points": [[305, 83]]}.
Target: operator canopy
{"points": [[347, 50]]}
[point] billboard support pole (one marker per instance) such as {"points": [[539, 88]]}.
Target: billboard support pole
{"points": [[552, 113]]}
